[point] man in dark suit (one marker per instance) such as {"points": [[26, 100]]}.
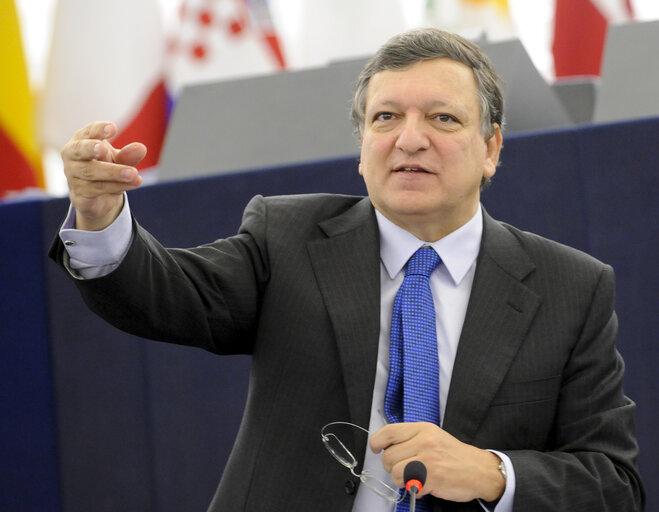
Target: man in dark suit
{"points": [[532, 412]]}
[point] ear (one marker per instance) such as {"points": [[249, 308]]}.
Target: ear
{"points": [[492, 149]]}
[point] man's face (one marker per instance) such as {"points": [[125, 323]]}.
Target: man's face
{"points": [[423, 155]]}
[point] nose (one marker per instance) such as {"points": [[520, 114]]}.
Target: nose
{"points": [[413, 136]]}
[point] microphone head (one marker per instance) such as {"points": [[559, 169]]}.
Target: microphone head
{"points": [[415, 474]]}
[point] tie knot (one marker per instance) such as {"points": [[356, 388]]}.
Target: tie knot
{"points": [[423, 262]]}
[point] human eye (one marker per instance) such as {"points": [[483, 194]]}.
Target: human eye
{"points": [[383, 116], [445, 122], [445, 118]]}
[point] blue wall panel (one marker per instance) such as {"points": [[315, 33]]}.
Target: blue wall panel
{"points": [[29, 478], [139, 425]]}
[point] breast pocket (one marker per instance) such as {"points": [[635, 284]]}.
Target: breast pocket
{"points": [[525, 411], [528, 391]]}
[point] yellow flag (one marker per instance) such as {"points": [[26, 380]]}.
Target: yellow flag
{"points": [[20, 158]]}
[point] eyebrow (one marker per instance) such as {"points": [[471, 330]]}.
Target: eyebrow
{"points": [[395, 103], [430, 105]]}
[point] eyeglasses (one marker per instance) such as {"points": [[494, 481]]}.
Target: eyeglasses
{"points": [[330, 436]]}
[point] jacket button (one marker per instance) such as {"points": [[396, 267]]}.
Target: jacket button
{"points": [[350, 487]]}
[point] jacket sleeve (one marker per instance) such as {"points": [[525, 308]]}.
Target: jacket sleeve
{"points": [[206, 296], [592, 463]]}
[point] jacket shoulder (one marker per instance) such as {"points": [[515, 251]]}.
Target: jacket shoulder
{"points": [[323, 205], [540, 248], [294, 212]]}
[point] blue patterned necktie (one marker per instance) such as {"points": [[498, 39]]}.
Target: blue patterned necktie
{"points": [[413, 387]]}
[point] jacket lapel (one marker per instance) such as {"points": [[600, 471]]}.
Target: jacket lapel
{"points": [[347, 268], [501, 308]]}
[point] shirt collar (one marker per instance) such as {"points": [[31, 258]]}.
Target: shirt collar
{"points": [[458, 250]]}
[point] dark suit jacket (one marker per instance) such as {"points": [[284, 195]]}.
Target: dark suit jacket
{"points": [[536, 375]]}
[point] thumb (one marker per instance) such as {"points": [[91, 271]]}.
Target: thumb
{"points": [[131, 154]]}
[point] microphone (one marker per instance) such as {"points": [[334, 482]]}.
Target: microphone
{"points": [[414, 476]]}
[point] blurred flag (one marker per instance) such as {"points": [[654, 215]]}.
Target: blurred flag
{"points": [[472, 18], [317, 32], [107, 63], [580, 32], [222, 39], [20, 158]]}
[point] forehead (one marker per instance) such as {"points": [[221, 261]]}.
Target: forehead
{"points": [[440, 80]]}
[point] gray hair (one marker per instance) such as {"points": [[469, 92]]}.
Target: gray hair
{"points": [[419, 45]]}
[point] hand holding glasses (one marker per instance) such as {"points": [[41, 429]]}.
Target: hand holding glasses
{"points": [[335, 435]]}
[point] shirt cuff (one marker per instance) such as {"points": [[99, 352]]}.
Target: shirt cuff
{"points": [[94, 254], [505, 503]]}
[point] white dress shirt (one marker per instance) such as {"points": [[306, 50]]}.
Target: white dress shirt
{"points": [[96, 253], [450, 285]]}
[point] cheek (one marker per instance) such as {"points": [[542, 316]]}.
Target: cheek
{"points": [[367, 159], [375, 148], [472, 153], [462, 147]]}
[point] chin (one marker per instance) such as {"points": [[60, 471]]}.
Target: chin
{"points": [[416, 206]]}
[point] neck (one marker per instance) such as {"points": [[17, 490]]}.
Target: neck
{"points": [[432, 230]]}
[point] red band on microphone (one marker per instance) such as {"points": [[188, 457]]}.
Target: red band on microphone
{"points": [[410, 483]]}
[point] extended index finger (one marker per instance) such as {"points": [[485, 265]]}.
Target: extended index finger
{"points": [[98, 171], [99, 130], [86, 150]]}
